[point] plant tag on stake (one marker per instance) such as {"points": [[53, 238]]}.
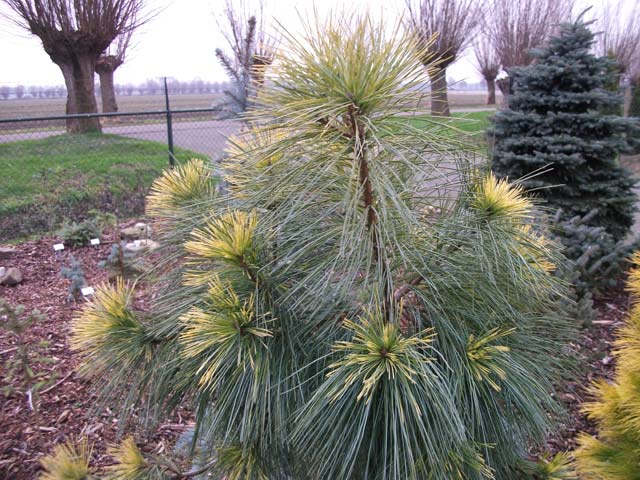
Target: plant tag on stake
{"points": [[95, 241], [58, 247], [87, 291]]}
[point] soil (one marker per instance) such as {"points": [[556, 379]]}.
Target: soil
{"points": [[30, 429], [60, 409]]}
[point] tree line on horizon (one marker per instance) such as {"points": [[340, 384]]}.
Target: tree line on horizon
{"points": [[148, 87], [91, 37]]}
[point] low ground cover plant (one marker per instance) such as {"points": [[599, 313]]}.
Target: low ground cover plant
{"points": [[361, 299]]}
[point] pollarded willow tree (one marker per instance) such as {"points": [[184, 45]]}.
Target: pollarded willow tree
{"points": [[517, 26], [74, 33], [444, 29], [107, 64], [488, 64], [357, 302]]}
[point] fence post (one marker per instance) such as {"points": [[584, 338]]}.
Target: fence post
{"points": [[172, 158]]}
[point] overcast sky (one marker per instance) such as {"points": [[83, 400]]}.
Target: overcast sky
{"points": [[179, 42]]}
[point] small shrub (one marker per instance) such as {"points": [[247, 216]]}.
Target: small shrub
{"points": [[75, 274], [615, 453], [79, 234], [20, 366], [67, 462], [104, 220], [598, 259], [121, 263]]}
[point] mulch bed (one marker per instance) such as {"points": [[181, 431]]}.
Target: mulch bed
{"points": [[593, 351], [63, 403]]}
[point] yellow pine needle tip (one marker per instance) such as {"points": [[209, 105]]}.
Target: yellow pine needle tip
{"points": [[226, 238], [184, 183], [130, 464], [67, 462], [499, 199]]}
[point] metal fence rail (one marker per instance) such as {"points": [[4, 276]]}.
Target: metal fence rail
{"points": [[50, 176], [197, 129]]}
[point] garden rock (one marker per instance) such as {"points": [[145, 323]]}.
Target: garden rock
{"points": [[6, 253], [141, 246], [138, 231], [12, 276]]}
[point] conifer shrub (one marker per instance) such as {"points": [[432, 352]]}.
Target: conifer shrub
{"points": [[555, 139], [359, 301], [614, 453]]}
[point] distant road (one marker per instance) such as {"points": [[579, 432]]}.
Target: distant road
{"points": [[206, 137]]}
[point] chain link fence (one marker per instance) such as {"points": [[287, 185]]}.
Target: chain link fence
{"points": [[50, 176]]}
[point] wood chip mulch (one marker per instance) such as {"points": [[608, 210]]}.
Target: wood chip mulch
{"points": [[26, 435], [61, 409], [593, 361]]}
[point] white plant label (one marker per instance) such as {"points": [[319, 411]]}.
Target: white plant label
{"points": [[86, 291], [137, 242], [95, 241], [58, 246]]}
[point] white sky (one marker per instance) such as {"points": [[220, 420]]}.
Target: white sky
{"points": [[180, 42]]}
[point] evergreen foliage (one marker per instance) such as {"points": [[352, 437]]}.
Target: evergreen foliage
{"points": [[597, 258], [615, 453], [75, 274], [359, 302], [79, 234], [554, 137], [121, 263]]}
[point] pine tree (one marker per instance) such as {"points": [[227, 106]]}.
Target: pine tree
{"points": [[358, 302], [553, 134], [615, 453]]}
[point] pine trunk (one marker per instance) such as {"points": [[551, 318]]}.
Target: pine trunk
{"points": [[439, 99], [107, 90]]}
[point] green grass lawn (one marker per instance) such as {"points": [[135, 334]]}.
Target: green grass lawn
{"points": [[471, 123], [64, 176]]}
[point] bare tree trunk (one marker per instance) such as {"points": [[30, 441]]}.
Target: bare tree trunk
{"points": [[67, 73], [504, 84], [491, 89], [81, 97], [439, 99], [109, 103]]}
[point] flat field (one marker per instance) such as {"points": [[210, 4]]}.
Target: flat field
{"points": [[37, 107], [40, 107]]}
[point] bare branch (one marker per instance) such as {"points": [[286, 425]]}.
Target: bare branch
{"points": [[253, 49], [517, 26], [452, 22], [486, 56], [619, 33]]}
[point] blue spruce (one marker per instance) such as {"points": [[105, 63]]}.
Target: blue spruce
{"points": [[554, 137]]}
